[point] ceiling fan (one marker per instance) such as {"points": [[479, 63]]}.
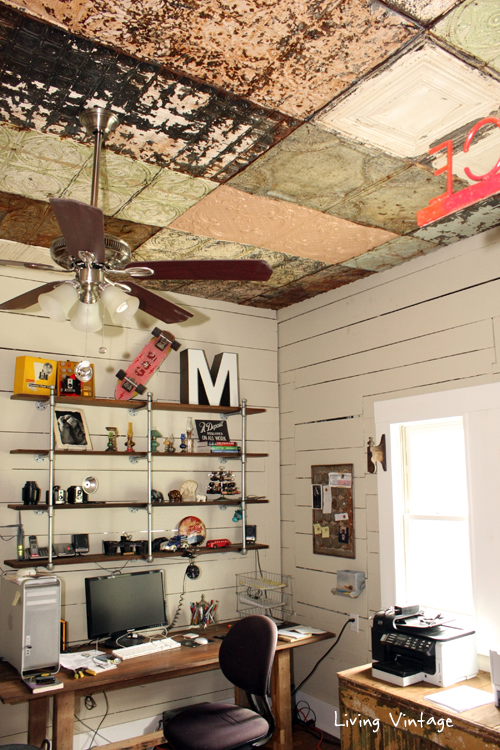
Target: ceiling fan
{"points": [[100, 262]]}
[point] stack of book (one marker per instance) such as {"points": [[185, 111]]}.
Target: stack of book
{"points": [[224, 447]]}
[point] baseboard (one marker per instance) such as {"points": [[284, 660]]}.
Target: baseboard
{"points": [[327, 716]]}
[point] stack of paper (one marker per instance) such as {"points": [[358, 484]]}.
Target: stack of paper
{"points": [[461, 698]]}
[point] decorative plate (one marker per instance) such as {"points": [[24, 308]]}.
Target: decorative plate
{"points": [[194, 529]]}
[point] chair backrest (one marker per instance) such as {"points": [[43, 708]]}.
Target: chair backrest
{"points": [[247, 652]]}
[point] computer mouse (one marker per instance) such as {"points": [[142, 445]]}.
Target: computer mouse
{"points": [[202, 641]]}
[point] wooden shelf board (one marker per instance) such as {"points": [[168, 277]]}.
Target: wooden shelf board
{"points": [[94, 505], [135, 404], [139, 454], [79, 559]]}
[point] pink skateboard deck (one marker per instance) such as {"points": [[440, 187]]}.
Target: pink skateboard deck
{"points": [[139, 372]]}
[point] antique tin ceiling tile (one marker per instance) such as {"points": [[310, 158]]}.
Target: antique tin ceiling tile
{"points": [[423, 10], [120, 179], [20, 217], [465, 223], [391, 254], [393, 204], [36, 165], [315, 168], [412, 104], [474, 26], [330, 278], [166, 198], [229, 214], [482, 155], [48, 76], [292, 55]]}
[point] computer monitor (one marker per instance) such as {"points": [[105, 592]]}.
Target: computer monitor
{"points": [[119, 605]]}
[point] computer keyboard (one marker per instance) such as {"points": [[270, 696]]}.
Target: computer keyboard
{"points": [[145, 649]]}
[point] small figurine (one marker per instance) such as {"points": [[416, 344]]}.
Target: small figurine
{"points": [[155, 434], [175, 496], [188, 491], [183, 445], [169, 444], [130, 443], [112, 435], [189, 435]]}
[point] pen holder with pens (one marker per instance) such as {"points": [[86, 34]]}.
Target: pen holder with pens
{"points": [[203, 613]]}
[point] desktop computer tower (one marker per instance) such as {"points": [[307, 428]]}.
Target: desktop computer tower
{"points": [[30, 614]]}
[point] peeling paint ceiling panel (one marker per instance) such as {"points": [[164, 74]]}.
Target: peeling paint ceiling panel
{"points": [[291, 55], [285, 130]]}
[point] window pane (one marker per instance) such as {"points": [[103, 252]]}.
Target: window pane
{"points": [[438, 573], [435, 468]]}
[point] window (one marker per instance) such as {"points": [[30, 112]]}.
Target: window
{"points": [[432, 502]]}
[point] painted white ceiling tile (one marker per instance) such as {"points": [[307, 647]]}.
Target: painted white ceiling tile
{"points": [[481, 157], [421, 98]]}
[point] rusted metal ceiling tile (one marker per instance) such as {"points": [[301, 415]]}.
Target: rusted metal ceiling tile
{"points": [[473, 27], [20, 218], [465, 223], [168, 119], [315, 168], [311, 286], [393, 204], [391, 254], [291, 55]]}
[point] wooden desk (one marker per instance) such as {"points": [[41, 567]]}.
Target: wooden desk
{"points": [[364, 698], [145, 669]]}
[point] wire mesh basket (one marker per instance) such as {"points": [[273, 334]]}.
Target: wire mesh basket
{"points": [[263, 580], [262, 592], [278, 615]]}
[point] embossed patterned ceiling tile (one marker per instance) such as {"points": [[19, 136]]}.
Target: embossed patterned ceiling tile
{"points": [[20, 217], [229, 214], [423, 10], [166, 198], [48, 76], [36, 165], [120, 179], [393, 203], [311, 286], [288, 54], [474, 27], [316, 169], [412, 104], [391, 254]]}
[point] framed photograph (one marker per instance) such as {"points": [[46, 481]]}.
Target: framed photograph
{"points": [[70, 430]]}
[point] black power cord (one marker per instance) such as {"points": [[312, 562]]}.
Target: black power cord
{"points": [[351, 619]]}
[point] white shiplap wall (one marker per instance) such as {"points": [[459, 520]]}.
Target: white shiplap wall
{"points": [[215, 327], [428, 325]]}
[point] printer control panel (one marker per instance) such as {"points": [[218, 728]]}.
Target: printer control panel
{"points": [[407, 642]]}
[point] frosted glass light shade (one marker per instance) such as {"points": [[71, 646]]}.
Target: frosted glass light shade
{"points": [[57, 303], [87, 317], [120, 306]]}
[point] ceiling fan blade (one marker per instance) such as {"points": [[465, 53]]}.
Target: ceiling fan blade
{"points": [[29, 298], [82, 226], [26, 264], [157, 306], [225, 270]]}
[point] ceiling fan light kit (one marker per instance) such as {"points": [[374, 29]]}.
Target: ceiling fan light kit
{"points": [[100, 262]]}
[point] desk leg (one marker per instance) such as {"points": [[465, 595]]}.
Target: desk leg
{"points": [[281, 695], [62, 721], [37, 720]]}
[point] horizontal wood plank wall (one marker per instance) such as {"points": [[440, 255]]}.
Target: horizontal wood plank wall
{"points": [[215, 327], [428, 325]]}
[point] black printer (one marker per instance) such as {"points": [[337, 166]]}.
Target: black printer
{"points": [[408, 647]]}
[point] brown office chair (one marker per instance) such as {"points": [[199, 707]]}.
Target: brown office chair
{"points": [[245, 657]]}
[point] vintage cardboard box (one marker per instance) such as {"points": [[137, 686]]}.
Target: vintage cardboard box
{"points": [[34, 375]]}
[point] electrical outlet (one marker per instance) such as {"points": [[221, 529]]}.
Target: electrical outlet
{"points": [[354, 625]]}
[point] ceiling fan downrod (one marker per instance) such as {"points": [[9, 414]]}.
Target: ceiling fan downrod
{"points": [[98, 122]]}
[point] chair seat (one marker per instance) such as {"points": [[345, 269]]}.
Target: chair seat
{"points": [[215, 726]]}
